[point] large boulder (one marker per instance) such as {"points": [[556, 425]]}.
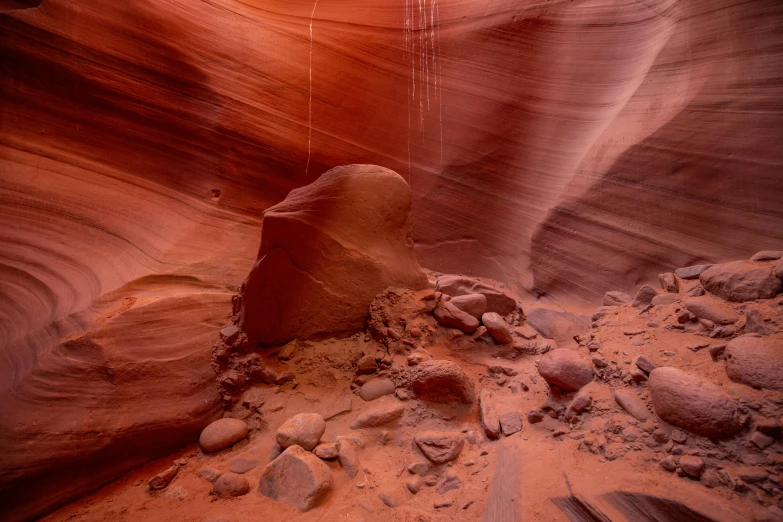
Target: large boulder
{"points": [[441, 381], [473, 304], [692, 403], [326, 251], [497, 327], [565, 369], [741, 281], [755, 361], [497, 300], [296, 477]]}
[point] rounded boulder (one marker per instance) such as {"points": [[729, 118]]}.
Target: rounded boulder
{"points": [[755, 361], [303, 429], [230, 485], [441, 381], [565, 369], [221, 434], [693, 404]]}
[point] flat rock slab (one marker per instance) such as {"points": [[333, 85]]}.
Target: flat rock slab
{"points": [[440, 446], [693, 404], [449, 315], [385, 411], [615, 298], [510, 423], [503, 503], [755, 361], [489, 417], [296, 477], [242, 464], [632, 404], [691, 272], [556, 324]]}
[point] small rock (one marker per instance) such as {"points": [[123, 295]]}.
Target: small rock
{"points": [[297, 478], [691, 272], [692, 465], [303, 429], [489, 417], [414, 484], [498, 328], [669, 463], [449, 315], [632, 405], [644, 364], [326, 451], [385, 410], [581, 401], [473, 304], [420, 468], [439, 446], [229, 334], [761, 441], [210, 474], [769, 427], [565, 369], [161, 480], [366, 365], [176, 491], [665, 299], [660, 436], [221, 434], [752, 474], [615, 298], [644, 296], [230, 485], [510, 423], [286, 353], [679, 436], [376, 388], [440, 504], [388, 499], [630, 434], [535, 416], [242, 464], [348, 453], [669, 282], [599, 363], [448, 483], [717, 351]]}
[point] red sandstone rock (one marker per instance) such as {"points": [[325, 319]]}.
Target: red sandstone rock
{"points": [[439, 446], [692, 403], [473, 304], [296, 477], [741, 281], [222, 433], [615, 298], [565, 369], [230, 485], [441, 381], [497, 300], [755, 361], [303, 429], [339, 241], [497, 327], [449, 315]]}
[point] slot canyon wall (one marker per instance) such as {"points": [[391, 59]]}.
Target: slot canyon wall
{"points": [[566, 147]]}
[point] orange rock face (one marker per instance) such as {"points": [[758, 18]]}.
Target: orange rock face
{"points": [[566, 148]]}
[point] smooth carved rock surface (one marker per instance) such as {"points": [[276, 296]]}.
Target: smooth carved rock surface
{"points": [[326, 251], [692, 403], [755, 361], [653, 167]]}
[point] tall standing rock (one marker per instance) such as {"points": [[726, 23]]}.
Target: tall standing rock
{"points": [[326, 251]]}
